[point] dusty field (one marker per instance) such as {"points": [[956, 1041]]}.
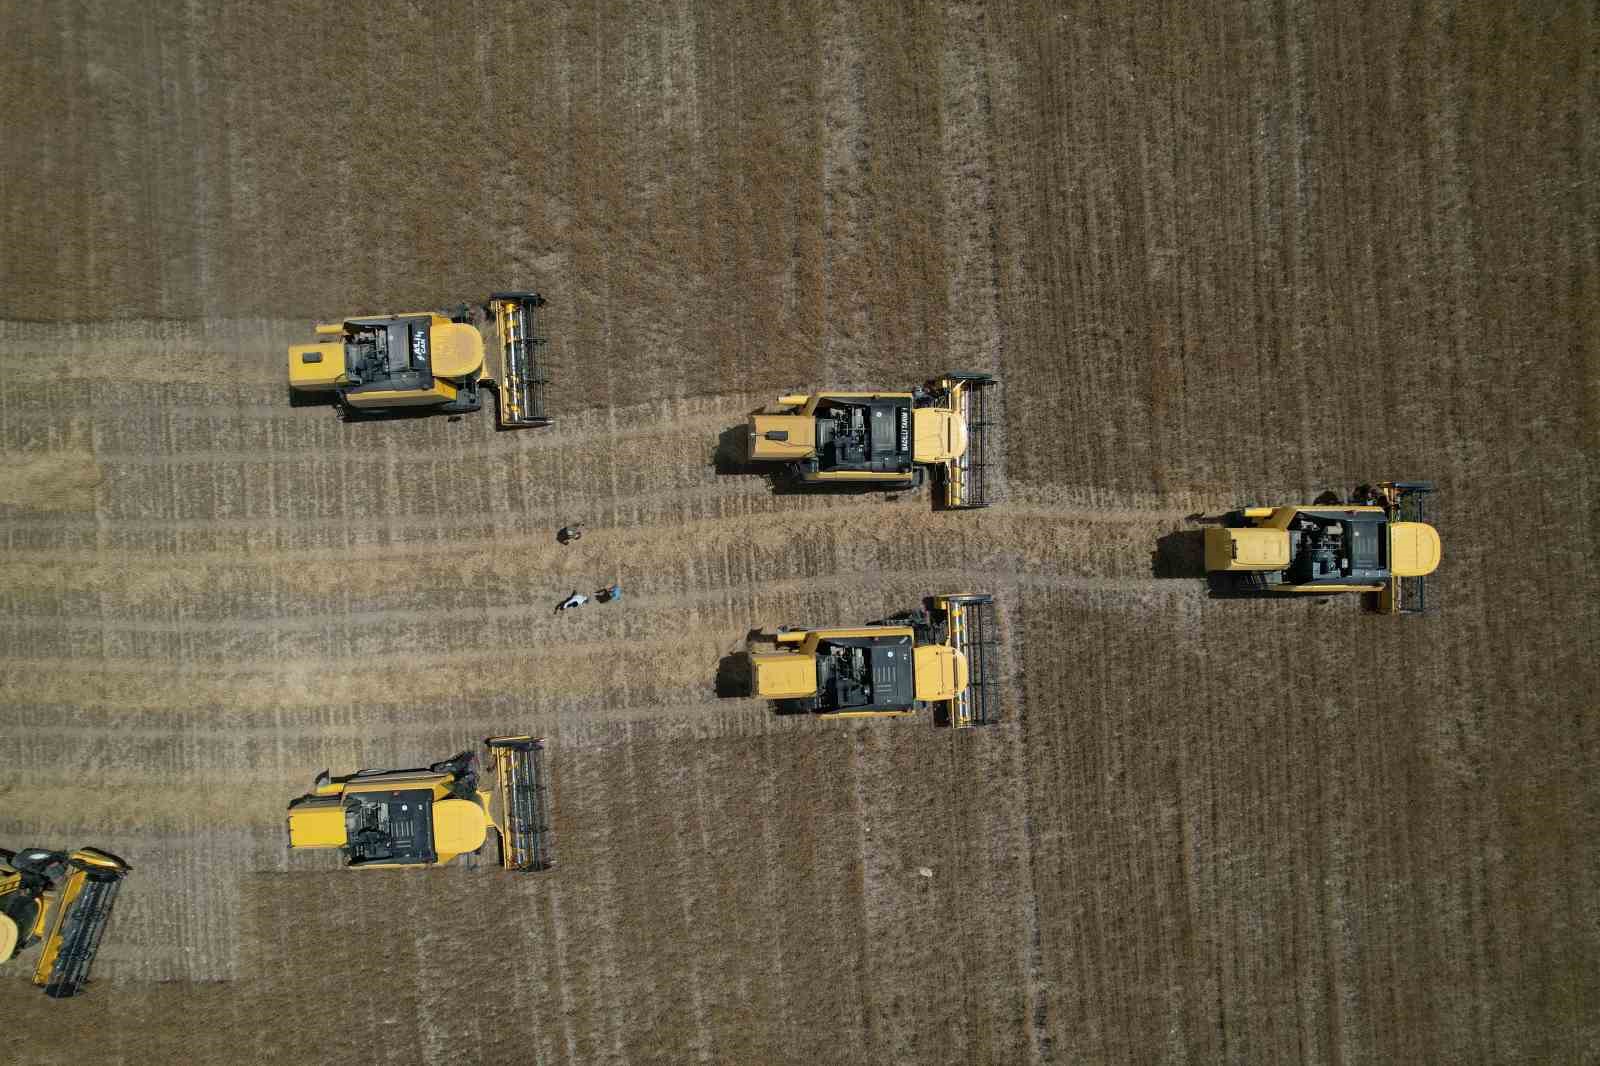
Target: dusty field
{"points": [[1216, 258]]}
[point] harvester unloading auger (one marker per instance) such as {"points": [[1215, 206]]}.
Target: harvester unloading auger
{"points": [[431, 361], [63, 899], [885, 440], [430, 815], [945, 656]]}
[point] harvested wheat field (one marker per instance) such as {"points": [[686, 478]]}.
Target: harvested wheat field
{"points": [[1216, 257]]}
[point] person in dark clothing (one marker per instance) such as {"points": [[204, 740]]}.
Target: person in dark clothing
{"points": [[567, 534]]}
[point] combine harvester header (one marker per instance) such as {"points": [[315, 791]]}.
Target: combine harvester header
{"points": [[63, 899], [519, 378], [520, 780]]}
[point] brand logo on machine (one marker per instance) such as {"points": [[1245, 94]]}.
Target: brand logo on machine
{"points": [[419, 345], [905, 429]]}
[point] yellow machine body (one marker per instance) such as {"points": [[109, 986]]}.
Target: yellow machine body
{"points": [[783, 675], [384, 819], [886, 669], [460, 825], [881, 439], [457, 348], [1251, 548], [940, 435], [941, 673], [782, 437], [423, 360], [1414, 549], [316, 367], [1372, 547]]}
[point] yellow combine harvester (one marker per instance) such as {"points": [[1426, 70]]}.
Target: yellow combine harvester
{"points": [[427, 361], [63, 899], [884, 440], [1379, 543], [389, 818], [943, 656]]}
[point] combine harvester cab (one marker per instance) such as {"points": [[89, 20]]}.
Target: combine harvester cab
{"points": [[383, 819], [423, 362], [63, 899], [945, 658], [884, 440], [1383, 544]]}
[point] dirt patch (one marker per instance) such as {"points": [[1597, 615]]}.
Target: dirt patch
{"points": [[58, 481], [1217, 257]]}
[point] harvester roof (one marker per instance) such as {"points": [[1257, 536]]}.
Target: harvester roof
{"points": [[941, 672], [939, 435], [457, 349], [1414, 549]]}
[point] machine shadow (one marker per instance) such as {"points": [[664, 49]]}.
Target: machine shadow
{"points": [[1181, 553], [298, 398], [733, 676], [732, 455], [350, 414]]}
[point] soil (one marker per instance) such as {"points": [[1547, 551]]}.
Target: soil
{"points": [[1215, 257]]}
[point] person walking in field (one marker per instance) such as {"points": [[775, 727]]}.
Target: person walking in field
{"points": [[577, 599], [568, 534]]}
